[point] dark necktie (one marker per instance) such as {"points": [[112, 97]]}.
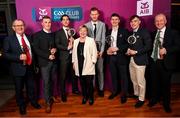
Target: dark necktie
{"points": [[95, 31], [26, 51], [156, 46], [67, 35]]}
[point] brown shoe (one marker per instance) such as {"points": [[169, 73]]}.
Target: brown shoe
{"points": [[48, 108], [56, 99]]}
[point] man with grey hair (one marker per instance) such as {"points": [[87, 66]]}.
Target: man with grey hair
{"points": [[163, 61], [18, 50]]}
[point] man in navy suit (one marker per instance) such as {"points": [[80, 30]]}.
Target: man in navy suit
{"points": [[138, 52], [163, 61], [118, 61], [17, 49]]}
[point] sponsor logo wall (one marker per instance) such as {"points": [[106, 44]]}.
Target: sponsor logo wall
{"points": [[33, 10]]}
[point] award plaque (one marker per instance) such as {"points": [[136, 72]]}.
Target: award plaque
{"points": [[109, 40], [132, 39], [98, 45], [71, 32]]}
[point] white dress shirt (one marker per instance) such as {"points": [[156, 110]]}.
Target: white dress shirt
{"points": [[162, 32], [19, 37]]}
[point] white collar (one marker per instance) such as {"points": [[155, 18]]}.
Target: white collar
{"points": [[65, 28], [163, 29], [46, 31], [94, 22]]}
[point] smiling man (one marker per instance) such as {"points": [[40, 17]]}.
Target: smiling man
{"points": [[138, 58], [44, 47], [163, 61], [17, 49]]}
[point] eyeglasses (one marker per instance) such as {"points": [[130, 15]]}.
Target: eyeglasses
{"points": [[18, 25]]}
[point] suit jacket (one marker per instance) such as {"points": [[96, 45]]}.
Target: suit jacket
{"points": [[90, 57], [171, 43], [61, 42], [42, 43], [100, 33], [12, 51], [122, 44], [142, 46]]}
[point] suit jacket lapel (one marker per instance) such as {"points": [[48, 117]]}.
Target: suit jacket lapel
{"points": [[91, 27], [98, 27], [16, 42], [166, 37], [64, 35]]}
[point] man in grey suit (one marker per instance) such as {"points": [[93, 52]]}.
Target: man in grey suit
{"points": [[96, 30]]}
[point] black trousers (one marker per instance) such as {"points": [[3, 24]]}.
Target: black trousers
{"points": [[119, 75], [66, 71], [28, 81], [161, 82], [87, 86]]}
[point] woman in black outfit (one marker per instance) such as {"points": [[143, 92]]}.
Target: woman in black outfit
{"points": [[84, 57]]}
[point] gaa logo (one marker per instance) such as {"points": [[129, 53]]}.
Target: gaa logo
{"points": [[75, 13]]}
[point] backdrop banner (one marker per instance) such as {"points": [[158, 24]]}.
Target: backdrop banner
{"points": [[31, 11]]}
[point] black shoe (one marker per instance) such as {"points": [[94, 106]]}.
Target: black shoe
{"points": [[123, 99], [152, 103], [167, 109], [101, 93], [91, 101], [22, 110], [64, 98], [36, 105], [112, 96], [139, 104], [84, 101], [76, 92]]}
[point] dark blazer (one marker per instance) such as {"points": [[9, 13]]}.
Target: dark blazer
{"points": [[12, 51], [142, 46], [61, 42], [171, 43], [42, 43], [122, 44]]}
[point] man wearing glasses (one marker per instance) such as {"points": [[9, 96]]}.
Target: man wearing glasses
{"points": [[17, 49]]}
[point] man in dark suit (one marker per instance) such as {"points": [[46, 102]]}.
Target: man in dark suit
{"points": [[17, 49], [118, 61], [44, 47], [64, 45], [163, 61], [139, 46]]}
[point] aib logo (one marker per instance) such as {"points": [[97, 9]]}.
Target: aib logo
{"points": [[39, 13], [144, 7], [42, 12]]}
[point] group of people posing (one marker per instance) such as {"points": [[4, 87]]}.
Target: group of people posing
{"points": [[82, 57]]}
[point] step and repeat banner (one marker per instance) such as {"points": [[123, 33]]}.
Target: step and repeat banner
{"points": [[31, 11]]}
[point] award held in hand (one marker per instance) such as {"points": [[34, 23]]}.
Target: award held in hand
{"points": [[24, 52], [110, 40], [71, 32], [98, 45], [132, 40]]}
